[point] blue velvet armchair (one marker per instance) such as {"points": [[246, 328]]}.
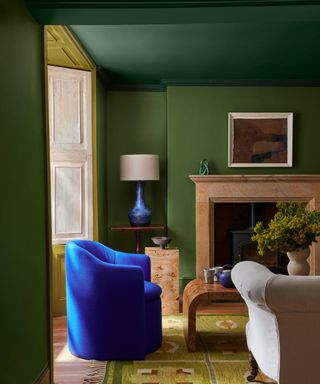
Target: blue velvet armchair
{"points": [[113, 310]]}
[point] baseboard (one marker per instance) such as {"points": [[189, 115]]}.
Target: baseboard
{"points": [[44, 376]]}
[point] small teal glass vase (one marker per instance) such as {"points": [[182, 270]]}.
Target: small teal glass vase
{"points": [[140, 215]]}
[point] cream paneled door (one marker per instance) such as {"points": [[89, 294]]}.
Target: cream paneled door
{"points": [[70, 127]]}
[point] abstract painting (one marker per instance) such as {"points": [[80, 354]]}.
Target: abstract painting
{"points": [[260, 139]]}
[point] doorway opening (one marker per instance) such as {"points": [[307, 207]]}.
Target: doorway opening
{"points": [[72, 159]]}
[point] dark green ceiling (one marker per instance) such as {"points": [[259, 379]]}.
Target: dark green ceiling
{"points": [[244, 52], [226, 41]]}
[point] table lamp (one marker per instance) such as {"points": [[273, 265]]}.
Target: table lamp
{"points": [[139, 168]]}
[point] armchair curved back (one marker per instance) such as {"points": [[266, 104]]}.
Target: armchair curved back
{"points": [[106, 303], [283, 332]]}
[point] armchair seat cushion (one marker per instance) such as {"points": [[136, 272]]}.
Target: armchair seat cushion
{"points": [[151, 291]]}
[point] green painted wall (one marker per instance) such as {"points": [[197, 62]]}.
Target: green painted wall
{"points": [[136, 124], [102, 161], [23, 218], [198, 128], [184, 126]]}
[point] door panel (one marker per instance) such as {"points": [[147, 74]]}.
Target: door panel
{"points": [[70, 189], [67, 109], [68, 199], [59, 280], [70, 154], [71, 167]]}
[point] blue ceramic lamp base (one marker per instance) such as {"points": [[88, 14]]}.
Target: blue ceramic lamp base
{"points": [[140, 215]]}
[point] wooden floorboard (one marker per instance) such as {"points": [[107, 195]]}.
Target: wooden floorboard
{"points": [[69, 369]]}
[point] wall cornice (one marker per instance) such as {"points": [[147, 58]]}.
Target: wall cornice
{"points": [[104, 12], [164, 4]]}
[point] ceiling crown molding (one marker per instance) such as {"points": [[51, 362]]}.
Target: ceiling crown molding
{"points": [[146, 12], [163, 4]]}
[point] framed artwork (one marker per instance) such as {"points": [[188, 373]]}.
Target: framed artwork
{"points": [[260, 139]]}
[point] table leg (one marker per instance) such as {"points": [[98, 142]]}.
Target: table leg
{"points": [[197, 292], [138, 241], [194, 293], [190, 328]]}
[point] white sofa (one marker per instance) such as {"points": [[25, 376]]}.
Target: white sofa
{"points": [[283, 332]]}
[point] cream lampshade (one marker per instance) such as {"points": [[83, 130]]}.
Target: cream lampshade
{"points": [[139, 168]]}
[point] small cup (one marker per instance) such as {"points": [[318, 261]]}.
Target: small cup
{"points": [[208, 275], [215, 277], [217, 271]]}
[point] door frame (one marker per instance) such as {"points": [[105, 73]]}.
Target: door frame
{"points": [[80, 60]]}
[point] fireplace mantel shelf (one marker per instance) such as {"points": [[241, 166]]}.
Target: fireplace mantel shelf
{"points": [[253, 178], [212, 189]]}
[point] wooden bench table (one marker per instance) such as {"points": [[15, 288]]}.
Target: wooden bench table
{"points": [[198, 292]]}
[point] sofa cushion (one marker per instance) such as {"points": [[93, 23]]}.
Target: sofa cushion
{"points": [[151, 291]]}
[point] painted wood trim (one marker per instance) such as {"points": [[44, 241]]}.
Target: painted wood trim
{"points": [[165, 4], [234, 83], [130, 13], [71, 158], [65, 50], [44, 376], [58, 283], [94, 155], [91, 64], [131, 87], [48, 203]]}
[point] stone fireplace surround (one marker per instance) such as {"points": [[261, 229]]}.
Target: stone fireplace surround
{"points": [[211, 189]]}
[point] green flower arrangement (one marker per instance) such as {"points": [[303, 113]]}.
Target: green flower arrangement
{"points": [[292, 228]]}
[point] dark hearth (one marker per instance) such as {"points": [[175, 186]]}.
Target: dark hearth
{"points": [[234, 230], [244, 249]]}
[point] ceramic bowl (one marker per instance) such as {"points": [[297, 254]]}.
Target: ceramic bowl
{"points": [[162, 241]]}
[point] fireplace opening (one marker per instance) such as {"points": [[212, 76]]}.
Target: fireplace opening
{"points": [[233, 229]]}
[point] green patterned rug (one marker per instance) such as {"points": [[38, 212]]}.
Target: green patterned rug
{"points": [[221, 357]]}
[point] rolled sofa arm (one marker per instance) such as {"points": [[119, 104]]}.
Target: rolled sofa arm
{"points": [[294, 294], [251, 279], [279, 293]]}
